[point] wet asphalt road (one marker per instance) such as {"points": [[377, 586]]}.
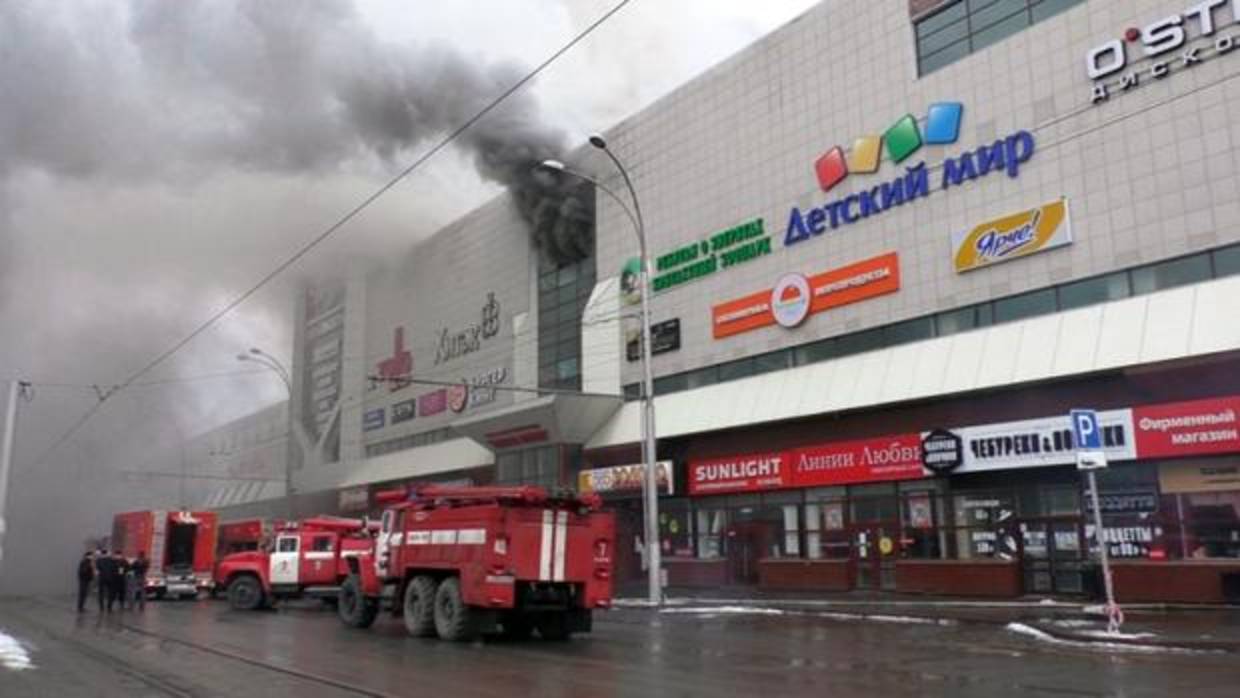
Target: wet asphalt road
{"points": [[630, 653]]}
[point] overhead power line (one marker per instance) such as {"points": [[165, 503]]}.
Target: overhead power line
{"points": [[340, 223]]}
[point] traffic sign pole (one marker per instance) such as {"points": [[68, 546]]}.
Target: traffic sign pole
{"points": [[1115, 617], [1090, 457]]}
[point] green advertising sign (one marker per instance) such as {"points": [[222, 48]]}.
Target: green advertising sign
{"points": [[722, 250]]}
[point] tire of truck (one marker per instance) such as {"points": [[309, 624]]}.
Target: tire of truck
{"points": [[419, 606], [454, 621], [245, 593], [159, 594], [354, 609], [554, 626], [515, 625]]}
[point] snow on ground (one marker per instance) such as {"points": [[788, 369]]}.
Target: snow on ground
{"points": [[1116, 636], [634, 602], [722, 610], [713, 611], [1043, 636], [1070, 622], [13, 654]]}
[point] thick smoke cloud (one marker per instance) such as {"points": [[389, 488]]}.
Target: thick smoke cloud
{"points": [[157, 156], [157, 89]]}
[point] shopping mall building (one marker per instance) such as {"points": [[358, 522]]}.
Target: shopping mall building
{"points": [[894, 243]]}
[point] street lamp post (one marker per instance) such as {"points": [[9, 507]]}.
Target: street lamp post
{"points": [[654, 563], [261, 357]]}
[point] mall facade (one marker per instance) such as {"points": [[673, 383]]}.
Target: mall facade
{"points": [[893, 246]]}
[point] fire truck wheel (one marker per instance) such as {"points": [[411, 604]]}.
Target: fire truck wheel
{"points": [[554, 626], [245, 593], [454, 621], [419, 610], [353, 607]]}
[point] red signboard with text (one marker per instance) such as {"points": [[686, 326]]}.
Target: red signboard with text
{"points": [[751, 472], [849, 284], [869, 460], [1191, 428]]}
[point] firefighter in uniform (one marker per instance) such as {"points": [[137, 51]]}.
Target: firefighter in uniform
{"points": [[106, 572], [85, 575]]}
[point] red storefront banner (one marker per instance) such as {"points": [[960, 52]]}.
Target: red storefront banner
{"points": [[751, 472], [870, 460], [1187, 428]]}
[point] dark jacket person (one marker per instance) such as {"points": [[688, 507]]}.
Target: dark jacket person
{"points": [[108, 573], [85, 574]]}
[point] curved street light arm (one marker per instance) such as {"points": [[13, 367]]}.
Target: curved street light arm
{"points": [[637, 207]]}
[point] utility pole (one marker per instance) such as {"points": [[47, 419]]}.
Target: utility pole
{"points": [[6, 452]]}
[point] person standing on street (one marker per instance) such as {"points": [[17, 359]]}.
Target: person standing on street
{"points": [[136, 592], [85, 574], [118, 581], [105, 577]]}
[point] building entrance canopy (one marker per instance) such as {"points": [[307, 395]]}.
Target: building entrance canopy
{"points": [[558, 418]]}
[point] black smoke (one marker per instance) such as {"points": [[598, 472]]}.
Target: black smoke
{"points": [[151, 89]]}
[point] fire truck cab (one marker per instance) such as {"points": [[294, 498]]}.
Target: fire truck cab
{"points": [[306, 559], [457, 562]]}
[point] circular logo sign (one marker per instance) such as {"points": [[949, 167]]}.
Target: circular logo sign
{"points": [[790, 300], [941, 451], [458, 396]]}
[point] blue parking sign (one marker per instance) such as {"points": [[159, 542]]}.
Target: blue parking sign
{"points": [[1085, 429]]}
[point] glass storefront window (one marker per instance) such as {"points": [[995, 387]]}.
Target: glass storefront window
{"points": [[1172, 273], [1025, 305], [710, 527], [675, 530], [924, 520], [983, 522], [1099, 289], [532, 466], [826, 525], [782, 512], [1211, 524], [1227, 261], [1131, 519], [874, 503], [954, 321]]}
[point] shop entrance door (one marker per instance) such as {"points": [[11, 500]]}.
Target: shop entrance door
{"points": [[628, 547], [1053, 555], [748, 542], [874, 553]]}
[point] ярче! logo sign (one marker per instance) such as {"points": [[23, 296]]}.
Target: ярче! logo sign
{"points": [[1012, 236], [1112, 65]]}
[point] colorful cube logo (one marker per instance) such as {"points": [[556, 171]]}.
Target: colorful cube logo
{"points": [[865, 153], [831, 168], [902, 139], [943, 122]]}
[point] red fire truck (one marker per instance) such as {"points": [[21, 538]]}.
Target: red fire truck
{"points": [[179, 544], [307, 559], [458, 561]]}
